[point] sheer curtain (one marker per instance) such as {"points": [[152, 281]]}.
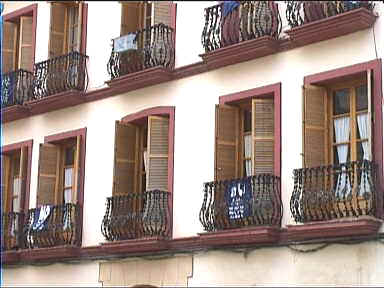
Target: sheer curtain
{"points": [[363, 124], [16, 204], [342, 130], [247, 154], [67, 196]]}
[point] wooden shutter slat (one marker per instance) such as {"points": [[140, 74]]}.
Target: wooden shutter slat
{"points": [[23, 174], [48, 174], [124, 180], [76, 169], [9, 46], [158, 139], [57, 30], [131, 17], [5, 173], [226, 142], [314, 126], [162, 12], [263, 136], [25, 48]]}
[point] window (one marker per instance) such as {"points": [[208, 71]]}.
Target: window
{"points": [[244, 139], [17, 49], [67, 21]]}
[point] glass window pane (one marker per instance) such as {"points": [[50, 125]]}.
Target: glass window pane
{"points": [[360, 151], [361, 98], [68, 177], [341, 102], [68, 195], [247, 121], [336, 160], [69, 156]]}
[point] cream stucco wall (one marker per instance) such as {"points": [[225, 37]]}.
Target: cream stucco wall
{"points": [[194, 98]]}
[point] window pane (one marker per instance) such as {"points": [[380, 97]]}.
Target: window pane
{"points": [[68, 177], [69, 156], [360, 151], [361, 98], [68, 195], [336, 159], [16, 194], [247, 121], [341, 102]]}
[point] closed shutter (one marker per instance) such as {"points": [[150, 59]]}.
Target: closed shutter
{"points": [[5, 170], [25, 48], [48, 186], [263, 136], [9, 46], [57, 30], [314, 126], [126, 140], [162, 12], [226, 142], [76, 170], [23, 174], [131, 17], [158, 140]]}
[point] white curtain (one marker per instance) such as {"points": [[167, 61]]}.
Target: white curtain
{"points": [[363, 124], [342, 135], [68, 182], [16, 204], [247, 154]]}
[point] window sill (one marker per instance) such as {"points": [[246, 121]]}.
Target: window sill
{"points": [[240, 52], [332, 27], [14, 112], [140, 246], [348, 227]]}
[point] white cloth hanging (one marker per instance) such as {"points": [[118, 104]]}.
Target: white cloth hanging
{"points": [[342, 130], [247, 154], [363, 124]]}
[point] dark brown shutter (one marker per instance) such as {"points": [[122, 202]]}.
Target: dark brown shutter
{"points": [[5, 177], [131, 17], [48, 186], [57, 30], [9, 46], [162, 12], [158, 139], [262, 136], [25, 48], [124, 179], [314, 126], [226, 142]]}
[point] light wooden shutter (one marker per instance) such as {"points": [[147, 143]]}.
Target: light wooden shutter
{"points": [[226, 142], [262, 136], [131, 17], [49, 173], [58, 29], [23, 174], [162, 12], [315, 130], [9, 46], [158, 141], [25, 46], [5, 170], [126, 141], [76, 170]]}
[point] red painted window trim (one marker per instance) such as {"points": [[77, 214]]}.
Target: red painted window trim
{"points": [[273, 90], [84, 23], [377, 101], [161, 111], [30, 10], [16, 146], [173, 12]]}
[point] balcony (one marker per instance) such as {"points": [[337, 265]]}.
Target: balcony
{"points": [[16, 88], [240, 31], [312, 21], [12, 231], [53, 226], [61, 74], [137, 216], [142, 56]]}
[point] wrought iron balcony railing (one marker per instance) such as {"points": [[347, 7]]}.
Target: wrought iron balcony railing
{"points": [[232, 22], [16, 88], [137, 215], [61, 74], [302, 12], [331, 192], [151, 47], [250, 201], [12, 231], [50, 226]]}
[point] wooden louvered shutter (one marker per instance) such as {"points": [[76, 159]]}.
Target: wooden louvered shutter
{"points": [[315, 131], [131, 17], [226, 142], [48, 186], [9, 46], [162, 12], [126, 141], [158, 142], [57, 30], [23, 174], [76, 170], [5, 177], [25, 46], [263, 136]]}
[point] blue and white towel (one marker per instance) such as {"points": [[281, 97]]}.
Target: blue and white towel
{"points": [[238, 197], [40, 217], [229, 6]]}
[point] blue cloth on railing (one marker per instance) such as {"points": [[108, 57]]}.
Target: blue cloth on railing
{"points": [[349, 5], [229, 6], [40, 217], [238, 197]]}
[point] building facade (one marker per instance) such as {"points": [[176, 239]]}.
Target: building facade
{"points": [[192, 143]]}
